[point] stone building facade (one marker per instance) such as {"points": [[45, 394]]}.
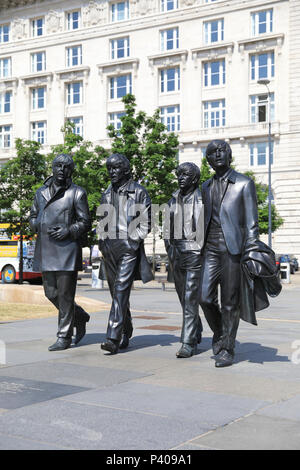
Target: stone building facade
{"points": [[199, 61]]}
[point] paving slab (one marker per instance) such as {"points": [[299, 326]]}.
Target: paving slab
{"points": [[254, 433], [81, 426], [72, 374], [17, 393], [207, 409], [8, 442], [206, 378], [144, 397], [288, 409]]}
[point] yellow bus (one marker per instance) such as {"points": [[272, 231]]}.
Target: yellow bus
{"points": [[10, 258]]}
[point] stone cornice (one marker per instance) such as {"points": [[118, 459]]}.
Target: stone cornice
{"points": [[36, 79], [104, 28], [8, 83], [261, 43], [117, 67], [71, 74], [168, 58], [212, 51]]}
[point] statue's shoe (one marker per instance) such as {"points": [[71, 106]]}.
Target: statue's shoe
{"points": [[110, 346], [60, 345], [224, 358], [186, 350]]}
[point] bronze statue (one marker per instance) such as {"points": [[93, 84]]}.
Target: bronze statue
{"points": [[125, 221], [60, 217], [183, 242], [231, 225]]}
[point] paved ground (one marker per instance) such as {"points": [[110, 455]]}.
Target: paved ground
{"points": [[146, 398]]}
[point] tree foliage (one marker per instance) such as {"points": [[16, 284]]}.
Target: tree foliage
{"points": [[151, 150], [19, 179], [263, 207]]}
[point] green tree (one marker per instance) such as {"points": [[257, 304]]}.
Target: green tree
{"points": [[19, 179], [263, 207], [151, 150], [90, 169]]}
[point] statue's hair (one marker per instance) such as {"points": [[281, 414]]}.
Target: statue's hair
{"points": [[66, 158], [119, 157], [191, 166], [217, 143]]}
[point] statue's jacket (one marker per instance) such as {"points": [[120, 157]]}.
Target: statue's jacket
{"points": [[68, 207], [137, 209], [239, 221], [175, 221], [238, 211]]}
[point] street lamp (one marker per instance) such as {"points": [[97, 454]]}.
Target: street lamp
{"points": [[266, 83]]}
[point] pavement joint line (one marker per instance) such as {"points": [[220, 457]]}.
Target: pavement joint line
{"points": [[193, 439], [114, 408], [14, 436], [241, 418]]}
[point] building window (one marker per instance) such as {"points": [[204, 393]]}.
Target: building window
{"points": [[5, 136], [167, 5], [5, 102], [119, 11], [260, 108], [213, 31], [169, 39], [74, 56], [262, 66], [120, 48], [214, 113], [37, 27], [214, 73], [259, 154], [170, 117], [170, 80], [39, 131], [38, 98], [38, 62], [78, 122], [262, 22], [73, 20], [5, 67], [4, 33], [74, 93], [114, 119], [120, 86]]}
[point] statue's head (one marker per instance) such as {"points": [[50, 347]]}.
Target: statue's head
{"points": [[188, 176], [219, 154], [118, 168], [62, 167]]}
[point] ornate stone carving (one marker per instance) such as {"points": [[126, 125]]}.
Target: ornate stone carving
{"points": [[187, 3], [142, 7], [95, 13], [18, 29], [53, 22]]}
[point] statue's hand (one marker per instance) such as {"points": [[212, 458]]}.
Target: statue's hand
{"points": [[59, 232]]}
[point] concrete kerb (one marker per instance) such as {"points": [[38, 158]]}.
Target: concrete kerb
{"points": [[28, 294]]}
